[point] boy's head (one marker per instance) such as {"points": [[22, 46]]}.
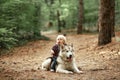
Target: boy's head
{"points": [[61, 39]]}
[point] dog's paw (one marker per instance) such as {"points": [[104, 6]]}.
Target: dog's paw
{"points": [[80, 72], [71, 72]]}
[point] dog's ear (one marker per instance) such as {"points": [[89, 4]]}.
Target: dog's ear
{"points": [[62, 47], [71, 44]]}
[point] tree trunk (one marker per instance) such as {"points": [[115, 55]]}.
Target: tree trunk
{"points": [[81, 16], [105, 22], [112, 17], [58, 19]]}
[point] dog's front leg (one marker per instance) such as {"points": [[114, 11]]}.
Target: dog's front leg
{"points": [[61, 69], [75, 68]]}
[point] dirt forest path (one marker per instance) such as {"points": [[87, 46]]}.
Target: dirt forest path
{"points": [[97, 63]]}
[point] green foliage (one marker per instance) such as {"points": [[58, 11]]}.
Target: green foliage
{"points": [[69, 12], [91, 12], [19, 21], [117, 11], [23, 20], [7, 39]]}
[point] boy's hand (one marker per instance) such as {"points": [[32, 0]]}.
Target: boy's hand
{"points": [[52, 52]]}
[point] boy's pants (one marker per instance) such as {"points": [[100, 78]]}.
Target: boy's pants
{"points": [[54, 62]]}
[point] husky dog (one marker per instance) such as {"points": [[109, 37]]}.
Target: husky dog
{"points": [[65, 61]]}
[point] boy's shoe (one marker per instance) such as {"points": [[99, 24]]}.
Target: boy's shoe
{"points": [[52, 70]]}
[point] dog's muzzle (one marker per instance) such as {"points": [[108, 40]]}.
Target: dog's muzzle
{"points": [[69, 58]]}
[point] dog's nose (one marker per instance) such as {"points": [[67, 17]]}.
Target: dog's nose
{"points": [[70, 56]]}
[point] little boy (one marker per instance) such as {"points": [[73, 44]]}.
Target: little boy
{"points": [[60, 40]]}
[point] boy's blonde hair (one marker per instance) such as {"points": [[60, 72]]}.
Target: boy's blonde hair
{"points": [[61, 37]]}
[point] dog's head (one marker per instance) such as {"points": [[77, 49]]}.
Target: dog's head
{"points": [[67, 52]]}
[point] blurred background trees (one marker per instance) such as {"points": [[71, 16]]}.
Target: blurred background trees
{"points": [[19, 21], [23, 20]]}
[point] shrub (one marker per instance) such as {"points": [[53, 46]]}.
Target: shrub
{"points": [[7, 39]]}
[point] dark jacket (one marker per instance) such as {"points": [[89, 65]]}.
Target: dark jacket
{"points": [[56, 49]]}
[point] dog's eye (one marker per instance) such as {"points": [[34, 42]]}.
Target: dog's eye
{"points": [[67, 51]]}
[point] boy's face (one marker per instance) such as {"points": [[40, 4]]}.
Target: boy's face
{"points": [[60, 41]]}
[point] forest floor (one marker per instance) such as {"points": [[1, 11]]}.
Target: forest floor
{"points": [[97, 63]]}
